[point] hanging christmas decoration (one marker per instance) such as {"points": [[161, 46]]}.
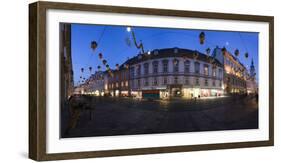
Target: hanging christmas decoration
{"points": [[236, 52], [104, 62], [94, 45], [80, 77], [99, 67], [107, 66], [246, 55], [82, 70], [90, 69], [100, 55], [202, 38], [138, 46]]}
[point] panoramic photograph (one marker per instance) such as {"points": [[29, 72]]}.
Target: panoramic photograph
{"points": [[130, 80]]}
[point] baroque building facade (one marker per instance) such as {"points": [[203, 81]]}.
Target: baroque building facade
{"points": [[168, 73], [235, 73]]}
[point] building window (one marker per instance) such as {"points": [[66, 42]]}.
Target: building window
{"points": [[117, 85], [206, 82], [139, 70], [165, 66], [197, 67], [186, 81], [220, 84], [176, 65], [187, 66], [175, 80], [155, 67], [146, 68], [176, 50], [122, 84], [197, 81], [146, 83], [139, 83], [206, 70], [132, 84], [126, 83], [220, 73], [214, 83], [155, 52], [214, 71], [132, 72], [155, 82], [165, 80]]}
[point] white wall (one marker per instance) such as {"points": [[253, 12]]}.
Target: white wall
{"points": [[14, 80]]}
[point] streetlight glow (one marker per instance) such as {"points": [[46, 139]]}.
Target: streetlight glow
{"points": [[128, 29]]}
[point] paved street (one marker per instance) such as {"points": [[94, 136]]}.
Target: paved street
{"points": [[106, 116]]}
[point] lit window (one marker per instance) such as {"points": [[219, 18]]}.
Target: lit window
{"points": [[214, 71], [206, 70], [126, 83], [176, 65]]}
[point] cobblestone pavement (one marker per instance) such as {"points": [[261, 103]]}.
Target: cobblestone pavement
{"points": [[107, 116]]}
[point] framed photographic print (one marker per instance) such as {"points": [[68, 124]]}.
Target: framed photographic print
{"points": [[112, 81]]}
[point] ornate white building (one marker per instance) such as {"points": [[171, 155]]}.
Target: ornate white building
{"points": [[175, 72]]}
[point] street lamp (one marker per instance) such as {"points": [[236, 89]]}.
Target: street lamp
{"points": [[128, 29]]}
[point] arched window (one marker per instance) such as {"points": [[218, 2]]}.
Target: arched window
{"points": [[197, 67], [146, 68], [165, 66], [176, 65], [187, 66], [206, 69], [139, 70], [155, 67]]}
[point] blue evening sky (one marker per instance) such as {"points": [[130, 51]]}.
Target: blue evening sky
{"points": [[112, 44]]}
